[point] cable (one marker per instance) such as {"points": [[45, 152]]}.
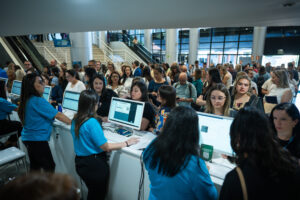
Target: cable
{"points": [[141, 184]]}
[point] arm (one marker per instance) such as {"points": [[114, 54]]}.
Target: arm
{"points": [[264, 91], [225, 79], [200, 101], [61, 117], [287, 96], [115, 146], [145, 124]]}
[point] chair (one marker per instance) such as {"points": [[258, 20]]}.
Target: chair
{"points": [[13, 155], [10, 134]]}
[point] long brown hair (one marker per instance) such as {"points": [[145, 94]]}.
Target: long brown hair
{"points": [[86, 109]]}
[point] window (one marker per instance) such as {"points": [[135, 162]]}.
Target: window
{"points": [[224, 45], [159, 44]]}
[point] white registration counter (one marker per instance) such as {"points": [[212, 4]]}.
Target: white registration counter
{"points": [[125, 166]]}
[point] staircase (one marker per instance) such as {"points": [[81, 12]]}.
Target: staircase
{"points": [[50, 52]]}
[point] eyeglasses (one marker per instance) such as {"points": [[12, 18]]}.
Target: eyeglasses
{"points": [[220, 98], [41, 82]]}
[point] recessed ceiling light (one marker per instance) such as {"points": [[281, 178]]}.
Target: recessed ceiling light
{"points": [[288, 4]]}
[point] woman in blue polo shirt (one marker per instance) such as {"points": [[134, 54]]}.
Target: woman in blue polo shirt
{"points": [[37, 116], [91, 146], [174, 167], [7, 126]]}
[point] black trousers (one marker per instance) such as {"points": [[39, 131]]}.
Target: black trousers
{"points": [[40, 156], [7, 126], [94, 171]]}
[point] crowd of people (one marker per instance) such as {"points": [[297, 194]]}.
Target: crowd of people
{"points": [[264, 135]]}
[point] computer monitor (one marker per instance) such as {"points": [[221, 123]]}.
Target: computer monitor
{"points": [[16, 88], [126, 112], [214, 131], [47, 92], [4, 79], [70, 101]]}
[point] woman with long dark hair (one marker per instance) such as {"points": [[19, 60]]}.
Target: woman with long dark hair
{"points": [[174, 167], [213, 77], [37, 116], [90, 146], [269, 171], [127, 77], [114, 83], [139, 92], [285, 121], [7, 126], [166, 96], [98, 85]]}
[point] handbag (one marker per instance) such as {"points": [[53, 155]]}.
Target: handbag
{"points": [[243, 183]]}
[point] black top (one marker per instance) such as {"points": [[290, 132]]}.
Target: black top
{"points": [[259, 186], [149, 113], [104, 102], [293, 146]]}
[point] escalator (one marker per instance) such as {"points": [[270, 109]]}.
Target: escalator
{"points": [[23, 49], [139, 49]]}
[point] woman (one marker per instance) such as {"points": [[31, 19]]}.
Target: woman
{"points": [[268, 170], [55, 74], [166, 96], [90, 146], [57, 91], [242, 95], [226, 76], [146, 74], [111, 68], [89, 74], [46, 79], [19, 73], [154, 84], [105, 95], [62, 80], [218, 100], [37, 116], [74, 85], [127, 78], [285, 121], [281, 88], [11, 77], [139, 93], [213, 77], [198, 82], [38, 186], [114, 83], [7, 126], [174, 73], [172, 160]]}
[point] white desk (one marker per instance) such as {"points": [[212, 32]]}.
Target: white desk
{"points": [[125, 167]]}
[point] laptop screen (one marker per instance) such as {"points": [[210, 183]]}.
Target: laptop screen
{"points": [[126, 112], [70, 101], [47, 92], [16, 88], [214, 131]]}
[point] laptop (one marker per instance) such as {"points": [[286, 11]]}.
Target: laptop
{"points": [[70, 103], [47, 92]]}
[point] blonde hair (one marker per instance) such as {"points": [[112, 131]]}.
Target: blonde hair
{"points": [[238, 78], [283, 78], [222, 88]]}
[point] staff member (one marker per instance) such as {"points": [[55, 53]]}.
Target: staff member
{"points": [[37, 115], [7, 126], [91, 146], [175, 168]]}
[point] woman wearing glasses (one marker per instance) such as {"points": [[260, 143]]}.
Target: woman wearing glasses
{"points": [[218, 100], [37, 115]]}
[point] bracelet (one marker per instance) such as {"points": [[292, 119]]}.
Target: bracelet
{"points": [[127, 145]]}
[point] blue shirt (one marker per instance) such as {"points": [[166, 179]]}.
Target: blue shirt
{"points": [[3, 73], [91, 137], [193, 182], [5, 108], [153, 86], [39, 116], [137, 72]]}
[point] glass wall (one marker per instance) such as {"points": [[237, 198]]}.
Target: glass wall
{"points": [[183, 45], [139, 34], [159, 44], [225, 45]]}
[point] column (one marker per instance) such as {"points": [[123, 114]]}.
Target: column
{"points": [[81, 49], [171, 36], [259, 35], [193, 46], [102, 38], [148, 39]]}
